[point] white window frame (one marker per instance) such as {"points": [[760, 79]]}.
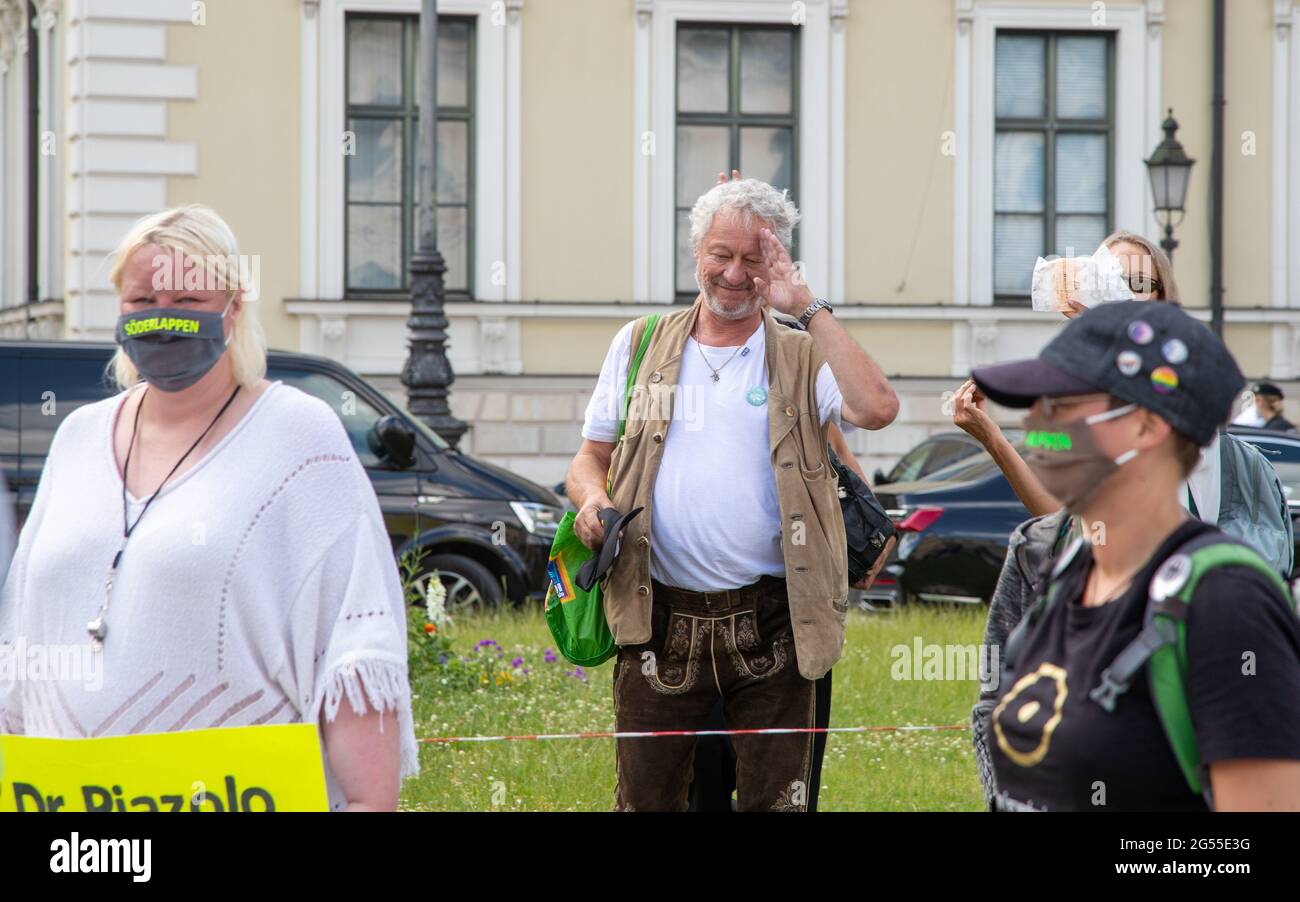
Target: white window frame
{"points": [[1285, 279], [1138, 114], [821, 135], [49, 251], [497, 124]]}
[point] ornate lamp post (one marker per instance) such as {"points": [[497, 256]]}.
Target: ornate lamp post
{"points": [[1170, 169], [427, 374]]}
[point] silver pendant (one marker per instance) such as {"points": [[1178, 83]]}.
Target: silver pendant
{"points": [[716, 377], [97, 630]]}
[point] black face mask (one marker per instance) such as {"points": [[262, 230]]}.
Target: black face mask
{"points": [[173, 348], [1066, 459]]}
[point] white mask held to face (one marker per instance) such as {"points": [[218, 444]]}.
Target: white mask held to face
{"points": [[1089, 281]]}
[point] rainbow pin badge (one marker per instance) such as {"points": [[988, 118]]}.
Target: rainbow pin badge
{"points": [[1164, 379]]}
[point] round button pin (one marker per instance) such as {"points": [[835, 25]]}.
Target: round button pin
{"points": [[1140, 332], [1164, 379], [1129, 362], [756, 396], [1174, 351]]}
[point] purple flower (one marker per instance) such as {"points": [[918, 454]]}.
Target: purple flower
{"points": [[483, 643], [549, 657], [517, 662], [577, 673]]}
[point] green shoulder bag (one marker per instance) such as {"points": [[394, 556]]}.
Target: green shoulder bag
{"points": [[576, 617]]}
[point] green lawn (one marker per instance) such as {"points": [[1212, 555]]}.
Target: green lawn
{"points": [[862, 772]]}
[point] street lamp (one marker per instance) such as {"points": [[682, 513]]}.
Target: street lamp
{"points": [[1170, 169], [427, 374]]}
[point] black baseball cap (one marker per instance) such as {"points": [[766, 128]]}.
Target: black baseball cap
{"points": [[1267, 388], [1150, 354]]}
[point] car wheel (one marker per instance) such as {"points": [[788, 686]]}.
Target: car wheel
{"points": [[471, 587]]}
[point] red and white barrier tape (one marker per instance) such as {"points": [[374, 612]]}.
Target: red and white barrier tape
{"points": [[768, 731]]}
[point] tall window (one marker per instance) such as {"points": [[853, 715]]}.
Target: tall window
{"points": [[1053, 158], [737, 89], [383, 114]]}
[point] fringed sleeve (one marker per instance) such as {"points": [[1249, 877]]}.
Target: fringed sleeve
{"points": [[348, 634]]}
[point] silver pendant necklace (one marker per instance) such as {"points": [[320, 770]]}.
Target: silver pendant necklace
{"points": [[97, 628], [718, 370]]}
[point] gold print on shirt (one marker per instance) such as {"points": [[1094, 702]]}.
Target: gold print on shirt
{"points": [[1028, 710]]}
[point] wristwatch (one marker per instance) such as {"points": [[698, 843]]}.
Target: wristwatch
{"points": [[816, 305]]}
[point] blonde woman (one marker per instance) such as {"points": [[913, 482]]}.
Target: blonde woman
{"points": [[211, 537], [1150, 277]]}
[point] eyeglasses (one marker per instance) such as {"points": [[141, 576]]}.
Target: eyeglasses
{"points": [[1141, 283], [1052, 406]]}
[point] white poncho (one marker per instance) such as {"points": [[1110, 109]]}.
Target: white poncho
{"points": [[260, 587]]}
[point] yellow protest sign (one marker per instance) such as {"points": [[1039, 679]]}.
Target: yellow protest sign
{"points": [[268, 768]]}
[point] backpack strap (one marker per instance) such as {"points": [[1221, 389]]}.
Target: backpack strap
{"points": [[1015, 641], [1162, 643], [646, 328], [642, 331]]}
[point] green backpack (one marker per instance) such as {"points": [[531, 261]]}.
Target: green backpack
{"points": [[1161, 646], [577, 618]]}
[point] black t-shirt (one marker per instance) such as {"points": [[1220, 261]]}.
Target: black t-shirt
{"points": [[1054, 748]]}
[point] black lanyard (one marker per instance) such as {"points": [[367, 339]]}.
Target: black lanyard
{"points": [[126, 469], [96, 627]]}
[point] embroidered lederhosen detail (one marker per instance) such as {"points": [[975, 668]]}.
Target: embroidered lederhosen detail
{"points": [[740, 633], [680, 668]]}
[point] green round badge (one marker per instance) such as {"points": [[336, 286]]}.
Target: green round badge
{"points": [[756, 395]]}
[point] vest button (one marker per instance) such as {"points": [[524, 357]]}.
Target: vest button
{"points": [[789, 411], [657, 377], [658, 436], [643, 590]]}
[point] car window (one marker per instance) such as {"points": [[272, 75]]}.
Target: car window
{"points": [[357, 414], [53, 386], [909, 467], [1285, 458], [948, 452], [8, 411]]}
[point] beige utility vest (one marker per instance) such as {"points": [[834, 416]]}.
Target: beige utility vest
{"points": [[812, 527]]}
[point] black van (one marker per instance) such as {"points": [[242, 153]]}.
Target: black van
{"points": [[487, 531]]}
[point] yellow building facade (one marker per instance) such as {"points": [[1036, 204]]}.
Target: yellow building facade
{"points": [[929, 143]]}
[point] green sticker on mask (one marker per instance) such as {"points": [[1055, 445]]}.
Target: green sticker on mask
{"points": [[1047, 441]]}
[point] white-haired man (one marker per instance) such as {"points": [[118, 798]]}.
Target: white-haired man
{"points": [[741, 544]]}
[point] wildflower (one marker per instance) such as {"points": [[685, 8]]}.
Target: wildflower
{"points": [[430, 628], [517, 662], [549, 657], [435, 600]]}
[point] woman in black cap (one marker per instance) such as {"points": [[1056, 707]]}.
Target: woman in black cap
{"points": [[1268, 407], [1159, 664]]}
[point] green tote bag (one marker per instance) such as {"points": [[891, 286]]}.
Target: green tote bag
{"points": [[577, 618]]}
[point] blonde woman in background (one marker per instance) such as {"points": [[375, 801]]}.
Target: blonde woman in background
{"points": [[1150, 276], [249, 576]]}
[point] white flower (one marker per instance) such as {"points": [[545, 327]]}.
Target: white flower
{"points": [[435, 597]]}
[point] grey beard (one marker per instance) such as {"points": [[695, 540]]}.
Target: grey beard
{"points": [[722, 312]]}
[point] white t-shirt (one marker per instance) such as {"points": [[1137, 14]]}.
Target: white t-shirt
{"points": [[717, 521], [259, 588], [1205, 482]]}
